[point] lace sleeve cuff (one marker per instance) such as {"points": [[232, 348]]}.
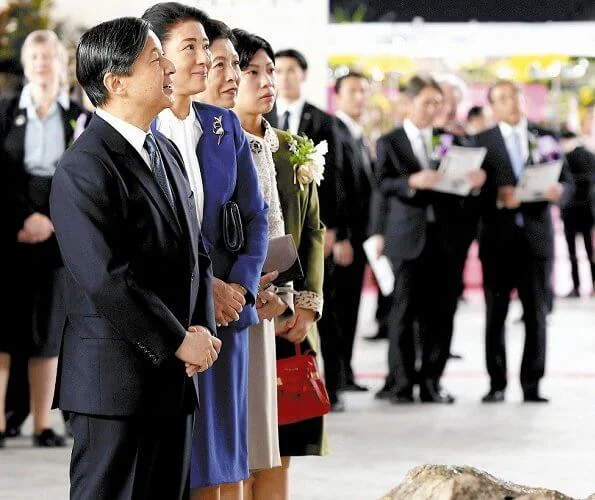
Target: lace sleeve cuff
{"points": [[309, 300]]}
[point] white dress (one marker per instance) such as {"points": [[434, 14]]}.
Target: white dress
{"points": [[263, 431]]}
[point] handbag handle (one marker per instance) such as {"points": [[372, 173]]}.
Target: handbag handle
{"points": [[298, 348]]}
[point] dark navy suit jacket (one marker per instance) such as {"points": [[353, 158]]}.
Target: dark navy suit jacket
{"points": [[138, 277]]}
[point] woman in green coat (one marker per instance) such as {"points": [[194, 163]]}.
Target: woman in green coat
{"points": [[300, 210]]}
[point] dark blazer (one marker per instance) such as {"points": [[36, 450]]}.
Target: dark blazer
{"points": [[498, 225], [357, 182], [581, 163], [22, 195], [138, 277], [320, 126], [405, 230]]}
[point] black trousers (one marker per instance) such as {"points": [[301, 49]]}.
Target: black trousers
{"points": [[330, 334], [137, 458], [528, 274], [348, 292], [578, 221], [421, 318]]}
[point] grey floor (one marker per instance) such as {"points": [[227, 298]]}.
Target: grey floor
{"points": [[374, 444]]}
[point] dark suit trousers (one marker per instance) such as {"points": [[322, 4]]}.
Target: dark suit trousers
{"points": [[528, 274], [348, 292], [330, 334], [137, 458], [578, 221]]}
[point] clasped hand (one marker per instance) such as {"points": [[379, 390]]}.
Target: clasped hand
{"points": [[229, 302], [36, 229], [296, 328], [268, 304], [199, 350]]}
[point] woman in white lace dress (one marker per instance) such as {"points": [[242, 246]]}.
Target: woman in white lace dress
{"points": [[263, 437]]}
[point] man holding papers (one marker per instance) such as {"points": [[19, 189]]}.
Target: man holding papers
{"points": [[415, 239], [516, 238]]}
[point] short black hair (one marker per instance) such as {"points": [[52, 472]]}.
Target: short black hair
{"points": [[164, 16], [217, 30], [474, 112], [350, 74], [295, 54], [109, 47], [248, 44], [501, 83], [418, 83]]}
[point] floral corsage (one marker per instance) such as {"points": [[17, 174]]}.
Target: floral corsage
{"points": [[441, 144], [543, 148], [307, 159], [218, 128]]}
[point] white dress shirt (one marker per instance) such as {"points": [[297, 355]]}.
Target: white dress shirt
{"points": [[521, 129], [421, 142], [355, 129], [185, 134], [295, 113], [134, 135]]}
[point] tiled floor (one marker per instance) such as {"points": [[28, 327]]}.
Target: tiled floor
{"points": [[375, 444]]}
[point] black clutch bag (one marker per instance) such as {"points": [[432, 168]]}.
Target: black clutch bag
{"points": [[282, 256], [233, 228]]}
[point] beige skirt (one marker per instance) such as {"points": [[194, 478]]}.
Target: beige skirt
{"points": [[263, 432]]}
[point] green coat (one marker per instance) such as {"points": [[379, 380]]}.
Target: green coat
{"points": [[302, 220]]}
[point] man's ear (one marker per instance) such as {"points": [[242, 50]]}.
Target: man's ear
{"points": [[114, 84]]}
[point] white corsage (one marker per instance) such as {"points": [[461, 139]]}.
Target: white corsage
{"points": [[218, 128], [307, 159]]}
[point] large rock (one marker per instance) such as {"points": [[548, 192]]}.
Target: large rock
{"points": [[442, 482]]}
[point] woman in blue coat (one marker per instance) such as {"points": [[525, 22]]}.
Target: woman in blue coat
{"points": [[220, 168]]}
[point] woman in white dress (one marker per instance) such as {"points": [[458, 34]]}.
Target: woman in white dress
{"points": [[263, 437]]}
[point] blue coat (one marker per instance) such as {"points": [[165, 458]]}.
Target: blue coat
{"points": [[223, 161]]}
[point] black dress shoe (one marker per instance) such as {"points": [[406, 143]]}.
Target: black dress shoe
{"points": [[338, 406], [354, 387], [454, 356], [382, 334], [48, 439], [385, 393], [430, 392], [401, 399], [574, 294], [534, 397], [493, 397], [12, 432]]}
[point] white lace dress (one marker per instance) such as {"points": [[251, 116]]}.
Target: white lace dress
{"points": [[263, 433]]}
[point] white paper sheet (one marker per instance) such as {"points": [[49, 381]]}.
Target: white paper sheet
{"points": [[381, 267], [536, 179], [455, 166]]}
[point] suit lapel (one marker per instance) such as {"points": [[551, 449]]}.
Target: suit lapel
{"points": [[305, 121], [406, 148], [17, 135], [499, 146], [134, 162], [178, 184]]}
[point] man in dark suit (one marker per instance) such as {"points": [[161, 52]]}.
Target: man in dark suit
{"points": [[416, 241], [358, 182], [139, 306], [292, 112], [516, 239]]}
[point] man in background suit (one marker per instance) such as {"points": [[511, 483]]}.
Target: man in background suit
{"points": [[292, 112], [516, 240], [416, 240], [358, 181], [139, 306]]}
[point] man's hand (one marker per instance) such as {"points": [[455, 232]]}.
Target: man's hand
{"points": [[330, 237], [36, 229], [343, 253], [477, 178], [229, 302], [554, 193], [299, 325], [508, 198], [199, 350], [377, 241], [425, 179]]}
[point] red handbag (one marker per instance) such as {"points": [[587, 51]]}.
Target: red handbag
{"points": [[301, 393]]}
